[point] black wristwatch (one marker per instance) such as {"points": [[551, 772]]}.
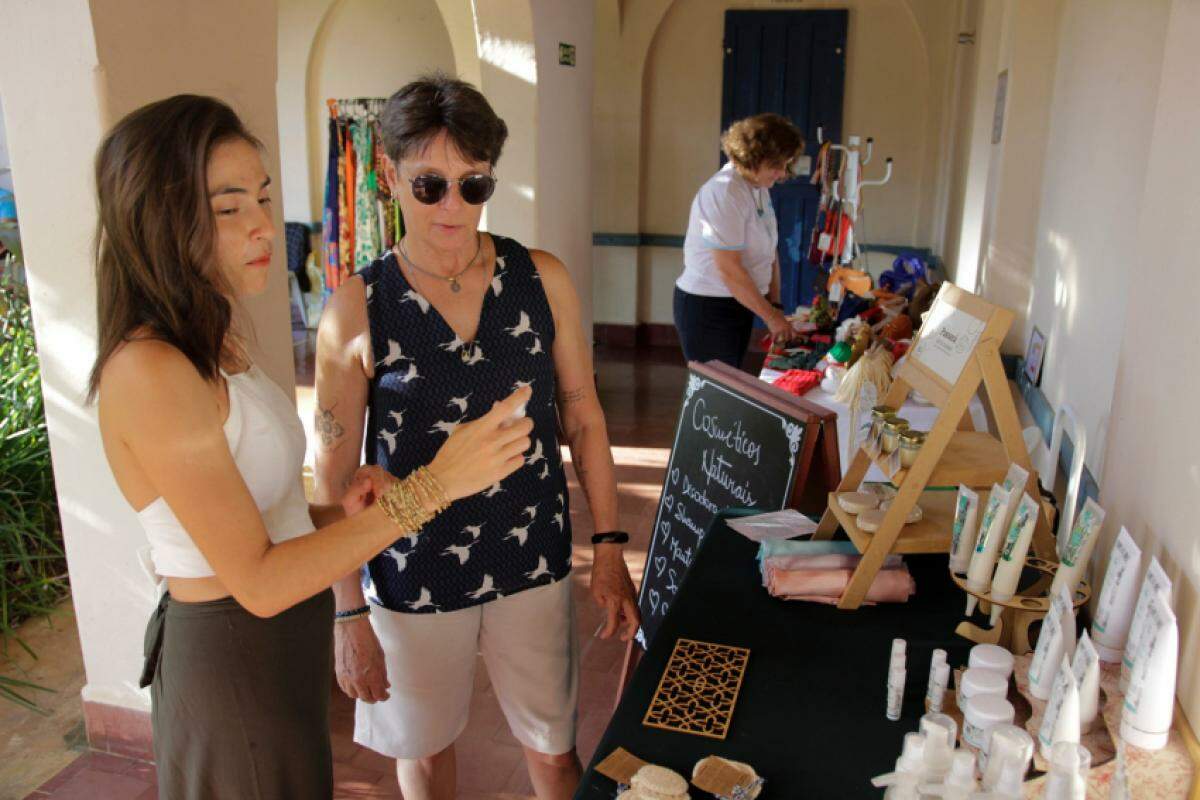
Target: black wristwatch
{"points": [[611, 537]]}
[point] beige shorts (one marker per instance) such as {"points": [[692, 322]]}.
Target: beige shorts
{"points": [[528, 644]]}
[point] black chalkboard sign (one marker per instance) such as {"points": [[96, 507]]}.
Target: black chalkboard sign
{"points": [[738, 442]]}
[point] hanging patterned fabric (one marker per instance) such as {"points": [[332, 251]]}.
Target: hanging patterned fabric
{"points": [[389, 209], [361, 219], [330, 260]]}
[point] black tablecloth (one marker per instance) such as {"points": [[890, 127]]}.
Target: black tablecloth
{"points": [[810, 717]]}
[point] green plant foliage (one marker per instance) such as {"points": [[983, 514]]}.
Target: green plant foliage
{"points": [[33, 568]]}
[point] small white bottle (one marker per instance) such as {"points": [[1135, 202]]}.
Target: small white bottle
{"points": [[1005, 743], [941, 735], [895, 687], [905, 782], [1067, 778], [959, 783]]}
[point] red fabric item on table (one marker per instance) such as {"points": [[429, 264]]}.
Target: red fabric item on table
{"points": [[798, 381], [821, 338]]}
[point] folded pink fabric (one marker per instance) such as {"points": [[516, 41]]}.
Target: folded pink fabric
{"points": [[827, 561], [827, 585]]}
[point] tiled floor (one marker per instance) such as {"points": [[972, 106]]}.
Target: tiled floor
{"points": [[640, 393]]}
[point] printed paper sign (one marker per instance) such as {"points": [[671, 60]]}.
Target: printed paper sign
{"points": [[948, 338]]}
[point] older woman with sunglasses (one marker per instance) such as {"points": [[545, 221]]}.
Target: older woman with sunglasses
{"points": [[428, 336]]}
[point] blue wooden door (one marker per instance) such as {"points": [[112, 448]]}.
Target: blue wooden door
{"points": [[792, 63]]}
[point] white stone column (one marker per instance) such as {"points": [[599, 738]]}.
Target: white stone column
{"points": [[74, 69]]}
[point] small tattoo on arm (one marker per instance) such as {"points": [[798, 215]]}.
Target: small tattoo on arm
{"points": [[327, 427]]}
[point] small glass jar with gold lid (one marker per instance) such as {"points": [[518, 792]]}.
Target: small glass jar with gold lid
{"points": [[910, 446], [879, 415], [892, 429]]}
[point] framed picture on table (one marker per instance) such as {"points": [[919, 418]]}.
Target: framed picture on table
{"points": [[1034, 355]]}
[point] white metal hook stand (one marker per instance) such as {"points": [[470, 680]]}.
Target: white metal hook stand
{"points": [[847, 187]]}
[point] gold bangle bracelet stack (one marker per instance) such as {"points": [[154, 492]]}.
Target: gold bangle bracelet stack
{"points": [[407, 502]]}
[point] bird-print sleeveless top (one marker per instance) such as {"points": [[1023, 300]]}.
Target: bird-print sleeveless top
{"points": [[514, 535]]}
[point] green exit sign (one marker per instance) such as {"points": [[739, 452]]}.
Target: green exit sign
{"points": [[566, 54]]}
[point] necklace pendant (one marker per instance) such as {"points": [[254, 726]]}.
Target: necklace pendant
{"points": [[454, 285], [465, 355]]}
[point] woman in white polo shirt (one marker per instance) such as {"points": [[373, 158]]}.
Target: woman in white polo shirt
{"points": [[730, 267]]}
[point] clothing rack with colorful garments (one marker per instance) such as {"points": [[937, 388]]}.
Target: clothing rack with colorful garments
{"points": [[361, 218]]}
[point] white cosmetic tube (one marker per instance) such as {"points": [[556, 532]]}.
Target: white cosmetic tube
{"points": [[1016, 479], [1076, 551], [991, 534], [1156, 582], [1066, 615], [1150, 701], [1114, 609], [1086, 666], [1046, 655], [1061, 721], [935, 696], [965, 531], [1012, 554]]}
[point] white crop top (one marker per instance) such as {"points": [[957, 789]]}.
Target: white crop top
{"points": [[267, 442]]}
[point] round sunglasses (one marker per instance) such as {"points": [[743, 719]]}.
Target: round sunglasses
{"points": [[474, 189]]}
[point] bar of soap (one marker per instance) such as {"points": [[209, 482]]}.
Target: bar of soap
{"points": [[870, 521], [915, 514], [660, 783], [857, 502], [717, 767]]}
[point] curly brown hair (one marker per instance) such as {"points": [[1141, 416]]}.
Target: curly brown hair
{"points": [[762, 139]]}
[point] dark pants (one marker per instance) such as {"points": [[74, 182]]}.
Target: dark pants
{"points": [[712, 328], [239, 704]]}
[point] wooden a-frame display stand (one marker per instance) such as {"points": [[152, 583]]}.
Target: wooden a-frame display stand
{"points": [[957, 349]]}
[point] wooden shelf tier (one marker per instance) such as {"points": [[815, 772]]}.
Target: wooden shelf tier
{"points": [[974, 458], [930, 535]]}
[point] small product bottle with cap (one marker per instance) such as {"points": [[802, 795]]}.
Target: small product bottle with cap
{"points": [[982, 681], [895, 686], [905, 782], [959, 783], [1010, 782], [1005, 743], [982, 713], [1067, 778], [991, 657], [941, 735], [935, 692]]}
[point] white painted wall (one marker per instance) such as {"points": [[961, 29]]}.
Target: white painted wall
{"points": [[5, 159], [367, 48], [108, 58], [1029, 45], [1088, 251], [299, 21], [564, 133], [1151, 478], [895, 49]]}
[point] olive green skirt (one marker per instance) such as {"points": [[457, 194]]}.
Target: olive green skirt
{"points": [[240, 704]]}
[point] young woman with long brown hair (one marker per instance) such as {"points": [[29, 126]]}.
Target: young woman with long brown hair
{"points": [[208, 451]]}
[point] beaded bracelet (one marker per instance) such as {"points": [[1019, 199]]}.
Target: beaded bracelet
{"points": [[404, 502], [351, 614]]}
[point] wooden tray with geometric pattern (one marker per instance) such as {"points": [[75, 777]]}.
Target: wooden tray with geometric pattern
{"points": [[698, 689]]}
